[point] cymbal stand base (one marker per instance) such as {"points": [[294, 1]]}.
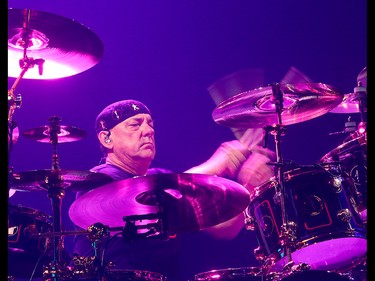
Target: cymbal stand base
{"points": [[54, 272]]}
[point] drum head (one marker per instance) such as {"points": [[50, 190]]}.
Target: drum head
{"points": [[238, 274], [315, 275]]}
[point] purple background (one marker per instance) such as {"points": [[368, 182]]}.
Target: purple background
{"points": [[166, 54]]}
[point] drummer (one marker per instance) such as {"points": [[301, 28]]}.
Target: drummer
{"points": [[126, 133]]}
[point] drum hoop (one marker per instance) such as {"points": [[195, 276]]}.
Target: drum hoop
{"points": [[150, 275], [233, 272], [33, 213]]}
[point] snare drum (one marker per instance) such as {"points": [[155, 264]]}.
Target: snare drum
{"points": [[232, 274], [23, 249], [329, 234]]}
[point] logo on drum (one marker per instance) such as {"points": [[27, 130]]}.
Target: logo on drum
{"points": [[355, 175]]}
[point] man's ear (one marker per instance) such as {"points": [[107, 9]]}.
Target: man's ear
{"points": [[104, 138]]}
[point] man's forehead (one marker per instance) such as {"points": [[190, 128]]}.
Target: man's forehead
{"points": [[140, 116]]}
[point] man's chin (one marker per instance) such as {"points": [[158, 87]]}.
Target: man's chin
{"points": [[148, 154]]}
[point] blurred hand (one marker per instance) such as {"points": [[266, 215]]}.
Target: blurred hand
{"points": [[255, 170]]}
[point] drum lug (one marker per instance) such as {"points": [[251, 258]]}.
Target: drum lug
{"points": [[337, 184], [259, 254], [289, 232], [250, 223], [344, 215]]}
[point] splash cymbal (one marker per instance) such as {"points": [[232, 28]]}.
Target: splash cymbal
{"points": [[362, 77], [60, 47], [255, 108], [349, 104], [71, 180], [189, 201], [65, 134]]}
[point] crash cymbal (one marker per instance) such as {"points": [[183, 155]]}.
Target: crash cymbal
{"points": [[72, 180], [66, 134], [66, 46], [362, 77], [255, 108], [349, 104], [189, 201]]}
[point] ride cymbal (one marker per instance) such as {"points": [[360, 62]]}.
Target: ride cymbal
{"points": [[60, 47], [65, 134], [256, 108], [71, 180], [188, 202]]}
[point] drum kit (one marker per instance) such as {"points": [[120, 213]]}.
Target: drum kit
{"points": [[310, 221]]}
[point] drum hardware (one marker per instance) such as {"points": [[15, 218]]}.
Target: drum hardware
{"points": [[350, 126]]}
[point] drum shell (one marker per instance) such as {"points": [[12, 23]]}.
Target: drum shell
{"points": [[318, 200]]}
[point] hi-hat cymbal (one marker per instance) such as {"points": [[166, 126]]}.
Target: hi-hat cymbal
{"points": [[71, 180], [65, 134], [66, 46], [189, 201], [256, 108]]}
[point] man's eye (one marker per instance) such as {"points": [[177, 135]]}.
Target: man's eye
{"points": [[134, 125]]}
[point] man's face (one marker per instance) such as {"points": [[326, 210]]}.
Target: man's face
{"points": [[133, 139]]}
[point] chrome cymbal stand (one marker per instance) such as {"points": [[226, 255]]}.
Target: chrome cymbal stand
{"points": [[360, 156], [288, 228], [56, 191], [92, 267], [15, 101]]}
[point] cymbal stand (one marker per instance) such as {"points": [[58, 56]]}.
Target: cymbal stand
{"points": [[92, 266], [25, 63], [288, 229], [359, 156], [56, 192]]}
